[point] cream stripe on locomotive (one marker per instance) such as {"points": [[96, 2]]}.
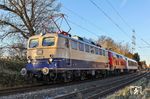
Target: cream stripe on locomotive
{"points": [[59, 50]]}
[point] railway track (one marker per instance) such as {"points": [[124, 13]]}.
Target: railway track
{"points": [[96, 92], [14, 90], [40, 86], [58, 86]]}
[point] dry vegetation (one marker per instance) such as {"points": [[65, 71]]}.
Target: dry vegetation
{"points": [[10, 72], [126, 94]]}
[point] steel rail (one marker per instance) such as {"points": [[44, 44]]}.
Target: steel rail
{"points": [[101, 87], [39, 86]]}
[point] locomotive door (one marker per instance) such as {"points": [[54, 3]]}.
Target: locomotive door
{"points": [[67, 52]]}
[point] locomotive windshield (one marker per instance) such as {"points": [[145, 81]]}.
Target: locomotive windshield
{"points": [[33, 43], [48, 41]]}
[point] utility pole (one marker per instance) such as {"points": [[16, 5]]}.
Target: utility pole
{"points": [[133, 41]]}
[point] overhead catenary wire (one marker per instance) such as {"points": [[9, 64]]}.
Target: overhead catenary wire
{"points": [[92, 24], [146, 42], [84, 19], [112, 19], [89, 22], [101, 10], [123, 20], [83, 28], [144, 47], [129, 26]]}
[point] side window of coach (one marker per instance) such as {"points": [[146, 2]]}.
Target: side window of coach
{"points": [[87, 49], [103, 52], [74, 45], [96, 51], [106, 53], [92, 49], [67, 43], [100, 51], [81, 46]]}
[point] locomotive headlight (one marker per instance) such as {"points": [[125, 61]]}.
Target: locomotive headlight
{"points": [[23, 71], [34, 61], [45, 70], [29, 61], [50, 60]]}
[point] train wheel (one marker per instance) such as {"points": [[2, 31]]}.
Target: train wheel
{"points": [[29, 78], [53, 76], [83, 76], [98, 74], [68, 76], [46, 79]]}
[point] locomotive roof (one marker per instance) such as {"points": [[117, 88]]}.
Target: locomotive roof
{"points": [[116, 53], [123, 56], [61, 35], [39, 35]]}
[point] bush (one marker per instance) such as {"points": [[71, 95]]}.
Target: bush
{"points": [[10, 72], [14, 65], [9, 80]]}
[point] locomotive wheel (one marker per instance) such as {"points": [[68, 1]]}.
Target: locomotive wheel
{"points": [[105, 73], [46, 78], [97, 75], [67, 76], [29, 78], [53, 76], [83, 76]]}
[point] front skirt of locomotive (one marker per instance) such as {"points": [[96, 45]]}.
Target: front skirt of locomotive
{"points": [[39, 67]]}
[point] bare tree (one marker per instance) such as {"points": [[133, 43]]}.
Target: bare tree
{"points": [[1, 52], [118, 47], [107, 42], [14, 50], [25, 17]]}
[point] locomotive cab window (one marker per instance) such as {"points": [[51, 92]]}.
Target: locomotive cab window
{"points": [[67, 43], [33, 43], [48, 41]]}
